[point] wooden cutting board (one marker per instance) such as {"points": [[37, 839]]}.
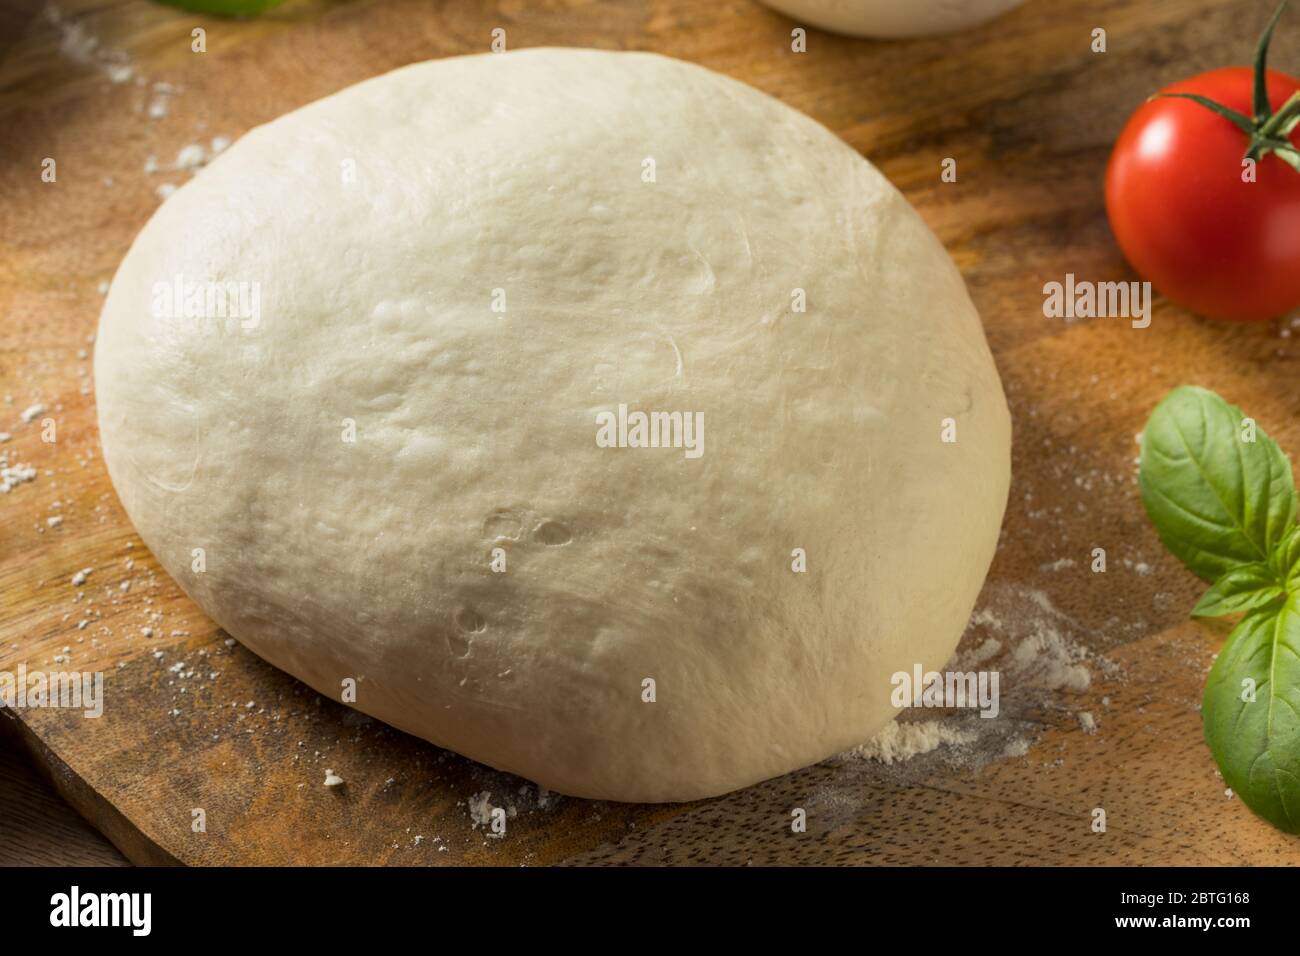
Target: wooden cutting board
{"points": [[1027, 110]]}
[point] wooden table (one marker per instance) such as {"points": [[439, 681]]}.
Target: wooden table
{"points": [[1027, 110], [37, 828]]}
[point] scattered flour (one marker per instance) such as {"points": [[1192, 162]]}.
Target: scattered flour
{"points": [[11, 476], [1140, 567], [1035, 648], [160, 104], [480, 809], [1060, 564], [986, 651], [1018, 747], [902, 740], [191, 157], [1050, 660], [82, 47]]}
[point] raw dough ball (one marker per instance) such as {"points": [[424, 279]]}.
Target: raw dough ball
{"points": [[893, 18], [459, 266]]}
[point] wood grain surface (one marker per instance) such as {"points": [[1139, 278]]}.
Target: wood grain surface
{"points": [[193, 721], [38, 828]]}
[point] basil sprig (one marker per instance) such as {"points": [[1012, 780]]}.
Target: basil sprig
{"points": [[1222, 498]]}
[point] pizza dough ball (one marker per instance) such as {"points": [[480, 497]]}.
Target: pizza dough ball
{"points": [[891, 19], [385, 462]]}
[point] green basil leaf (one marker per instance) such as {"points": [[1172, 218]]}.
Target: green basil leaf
{"points": [[1251, 711], [1285, 561], [1216, 500], [1244, 588]]}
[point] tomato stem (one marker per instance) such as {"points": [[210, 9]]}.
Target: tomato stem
{"points": [[1240, 120], [1277, 124], [1269, 131], [1262, 107]]}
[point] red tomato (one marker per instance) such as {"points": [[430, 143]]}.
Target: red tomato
{"points": [[1182, 214]]}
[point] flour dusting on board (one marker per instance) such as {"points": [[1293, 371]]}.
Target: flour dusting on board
{"points": [[1036, 649], [902, 740], [84, 48]]}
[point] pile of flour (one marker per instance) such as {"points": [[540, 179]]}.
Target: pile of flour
{"points": [[1043, 664]]}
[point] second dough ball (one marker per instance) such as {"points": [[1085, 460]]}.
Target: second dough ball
{"points": [[891, 19]]}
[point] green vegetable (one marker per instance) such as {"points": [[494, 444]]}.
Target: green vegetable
{"points": [[1243, 588], [1251, 711], [1217, 502], [1269, 132], [1222, 498]]}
